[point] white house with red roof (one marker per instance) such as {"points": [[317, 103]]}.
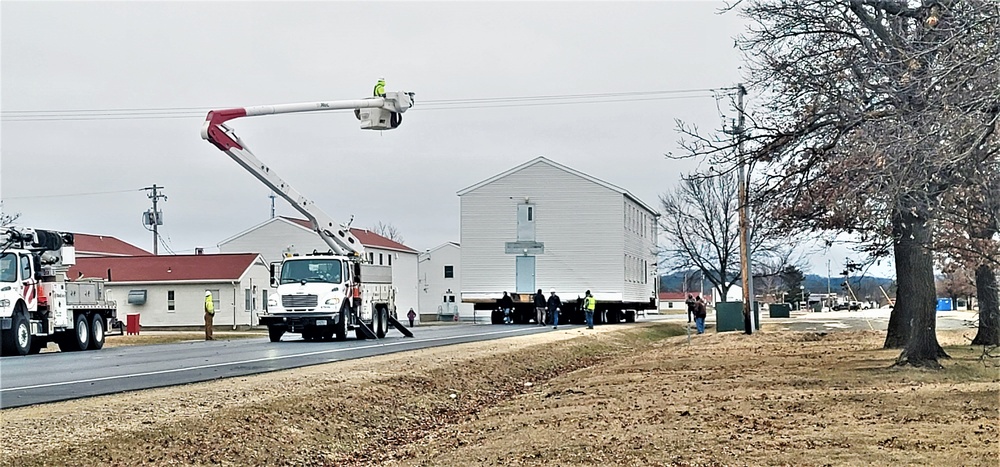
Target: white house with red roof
{"points": [[169, 291], [279, 235]]}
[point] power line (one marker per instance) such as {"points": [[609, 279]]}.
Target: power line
{"points": [[441, 104], [72, 194]]}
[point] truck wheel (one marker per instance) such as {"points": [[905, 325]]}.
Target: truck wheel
{"points": [[17, 339], [97, 332], [381, 322], [274, 333], [630, 316], [79, 337], [496, 317], [340, 329]]}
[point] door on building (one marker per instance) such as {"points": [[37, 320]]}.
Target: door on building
{"points": [[525, 274]]}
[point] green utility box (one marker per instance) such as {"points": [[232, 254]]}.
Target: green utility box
{"points": [[779, 310], [729, 316]]}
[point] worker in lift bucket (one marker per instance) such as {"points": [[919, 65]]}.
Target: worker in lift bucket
{"points": [[209, 315], [379, 90]]}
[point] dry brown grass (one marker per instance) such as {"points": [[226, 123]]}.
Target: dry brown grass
{"points": [[618, 397]]}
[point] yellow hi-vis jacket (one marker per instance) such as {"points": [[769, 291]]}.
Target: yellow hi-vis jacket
{"points": [[209, 306], [589, 303]]}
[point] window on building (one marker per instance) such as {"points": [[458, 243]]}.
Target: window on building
{"points": [[390, 258], [531, 213], [380, 259], [170, 300], [449, 272], [263, 298], [247, 299]]}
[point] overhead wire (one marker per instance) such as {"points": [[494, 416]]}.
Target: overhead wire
{"points": [[66, 195], [439, 104]]}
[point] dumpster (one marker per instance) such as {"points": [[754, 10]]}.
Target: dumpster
{"points": [[944, 304], [132, 324], [729, 316], [779, 310]]}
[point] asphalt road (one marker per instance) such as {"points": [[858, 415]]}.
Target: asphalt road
{"points": [[58, 376]]}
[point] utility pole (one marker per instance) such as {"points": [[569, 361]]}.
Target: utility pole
{"points": [[153, 217], [745, 273], [272, 196]]}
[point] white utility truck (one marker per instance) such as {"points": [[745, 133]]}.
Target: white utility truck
{"points": [[38, 304], [321, 295]]}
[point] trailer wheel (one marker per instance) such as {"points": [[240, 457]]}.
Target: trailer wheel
{"points": [[17, 339], [78, 338], [630, 316], [96, 332], [274, 333], [496, 317]]}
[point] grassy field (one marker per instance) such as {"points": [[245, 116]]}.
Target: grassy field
{"points": [[618, 396]]}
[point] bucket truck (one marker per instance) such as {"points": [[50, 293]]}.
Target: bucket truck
{"points": [[38, 304], [321, 295]]}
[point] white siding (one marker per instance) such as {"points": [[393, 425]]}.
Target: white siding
{"points": [[433, 285], [639, 251], [578, 220], [272, 238], [189, 301]]}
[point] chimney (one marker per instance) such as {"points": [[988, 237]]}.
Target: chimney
{"points": [[199, 250]]}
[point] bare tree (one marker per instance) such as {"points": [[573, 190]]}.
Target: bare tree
{"points": [[700, 225], [869, 112], [388, 231]]}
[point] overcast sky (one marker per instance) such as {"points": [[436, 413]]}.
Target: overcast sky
{"points": [[173, 61]]}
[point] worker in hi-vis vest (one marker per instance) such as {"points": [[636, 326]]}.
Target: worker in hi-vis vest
{"points": [[209, 315], [589, 304], [379, 90]]}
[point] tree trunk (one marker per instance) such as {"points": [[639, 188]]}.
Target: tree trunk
{"points": [[916, 294], [989, 308], [898, 330]]}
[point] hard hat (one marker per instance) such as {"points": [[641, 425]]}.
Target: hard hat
{"points": [[552, 291], [208, 293]]}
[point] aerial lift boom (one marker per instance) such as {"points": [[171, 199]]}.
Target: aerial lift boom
{"points": [[375, 113]]}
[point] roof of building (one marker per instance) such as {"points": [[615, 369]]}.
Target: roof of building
{"points": [[167, 268], [545, 160], [443, 245], [366, 237], [104, 245]]}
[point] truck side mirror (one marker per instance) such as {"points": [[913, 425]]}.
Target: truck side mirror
{"points": [[274, 282]]}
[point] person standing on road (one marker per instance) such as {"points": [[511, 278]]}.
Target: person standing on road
{"points": [[540, 307], [411, 315], [554, 306], [589, 305], [209, 315], [506, 303], [700, 312]]}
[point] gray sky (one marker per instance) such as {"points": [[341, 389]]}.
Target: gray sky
{"points": [[195, 56]]}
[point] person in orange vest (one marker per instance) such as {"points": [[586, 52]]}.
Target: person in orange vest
{"points": [[209, 315]]}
